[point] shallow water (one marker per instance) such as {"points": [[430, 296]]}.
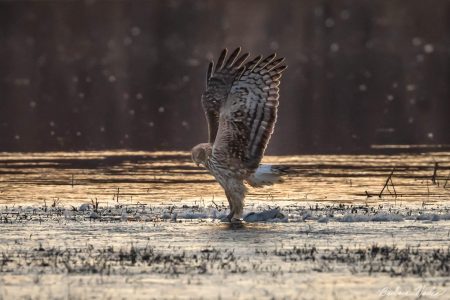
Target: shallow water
{"points": [[157, 232], [170, 177]]}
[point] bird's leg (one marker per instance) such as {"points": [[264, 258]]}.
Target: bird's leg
{"points": [[230, 203], [237, 192], [238, 209]]}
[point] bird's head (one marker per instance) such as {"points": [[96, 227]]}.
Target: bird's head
{"points": [[200, 153]]}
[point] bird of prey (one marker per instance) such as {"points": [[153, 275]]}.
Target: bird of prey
{"points": [[240, 104]]}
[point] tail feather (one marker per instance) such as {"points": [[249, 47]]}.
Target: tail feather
{"points": [[267, 175]]}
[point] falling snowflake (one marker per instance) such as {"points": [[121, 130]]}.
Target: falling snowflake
{"points": [[318, 11], [410, 87], [127, 41], [22, 81], [334, 47], [274, 45], [417, 41], [329, 22], [428, 48], [135, 31], [345, 14]]}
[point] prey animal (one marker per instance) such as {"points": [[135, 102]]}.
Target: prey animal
{"points": [[240, 104]]}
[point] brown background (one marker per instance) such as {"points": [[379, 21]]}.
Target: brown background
{"points": [[129, 74]]}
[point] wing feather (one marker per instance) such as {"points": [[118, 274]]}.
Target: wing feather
{"points": [[265, 62], [209, 73], [219, 82], [240, 60], [221, 60], [232, 57], [248, 115]]}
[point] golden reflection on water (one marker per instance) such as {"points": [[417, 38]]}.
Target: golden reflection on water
{"points": [[72, 178]]}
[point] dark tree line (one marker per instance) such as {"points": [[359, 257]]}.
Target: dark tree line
{"points": [[129, 74]]}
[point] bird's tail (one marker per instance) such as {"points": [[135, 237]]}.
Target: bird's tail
{"points": [[267, 175]]}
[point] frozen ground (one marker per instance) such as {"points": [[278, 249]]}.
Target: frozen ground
{"points": [[88, 229]]}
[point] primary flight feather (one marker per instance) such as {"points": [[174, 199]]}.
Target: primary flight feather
{"points": [[240, 103]]}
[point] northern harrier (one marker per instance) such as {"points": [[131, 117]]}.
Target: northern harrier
{"points": [[240, 103]]}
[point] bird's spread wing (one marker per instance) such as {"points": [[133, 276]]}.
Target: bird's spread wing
{"points": [[248, 114], [219, 81]]}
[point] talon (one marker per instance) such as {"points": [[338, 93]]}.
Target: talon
{"points": [[236, 221], [225, 220]]}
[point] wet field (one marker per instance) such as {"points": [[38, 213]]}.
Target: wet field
{"points": [[95, 225]]}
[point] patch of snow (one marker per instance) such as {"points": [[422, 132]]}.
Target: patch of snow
{"points": [[264, 216], [84, 207], [323, 219], [370, 218]]}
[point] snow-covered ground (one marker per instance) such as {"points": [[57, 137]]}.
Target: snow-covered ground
{"points": [[186, 252], [111, 225]]}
